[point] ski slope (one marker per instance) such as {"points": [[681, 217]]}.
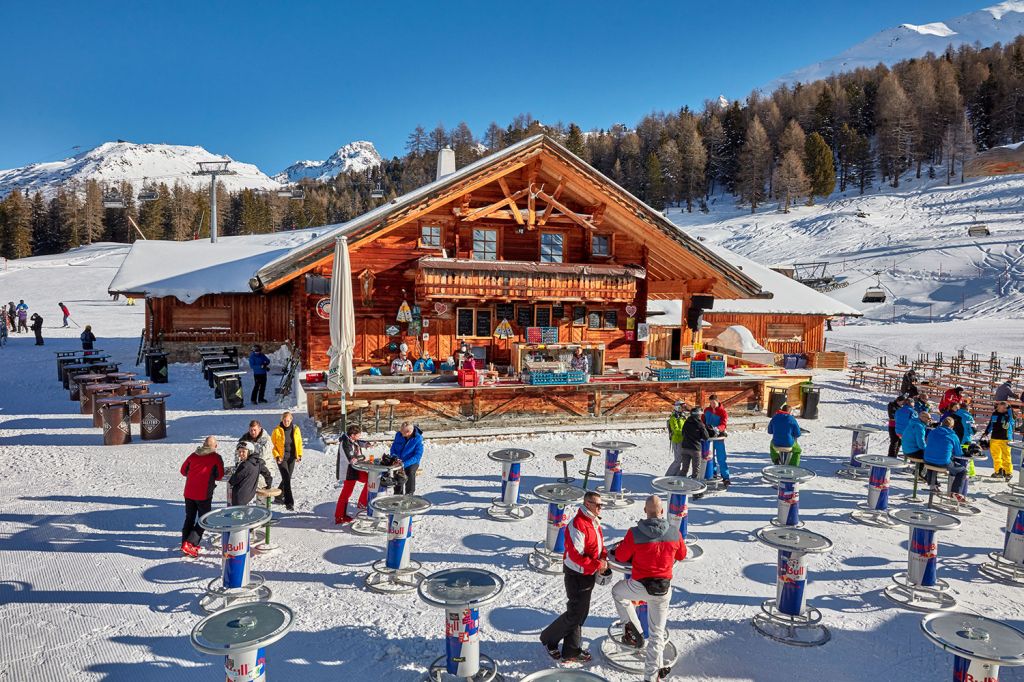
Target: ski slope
{"points": [[93, 586]]}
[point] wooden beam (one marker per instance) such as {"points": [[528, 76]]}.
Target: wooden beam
{"points": [[511, 202], [572, 215], [531, 208], [550, 207], [485, 211]]}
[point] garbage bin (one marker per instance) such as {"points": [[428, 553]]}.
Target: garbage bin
{"points": [[117, 426], [812, 396], [230, 384], [154, 415], [776, 399], [157, 363]]}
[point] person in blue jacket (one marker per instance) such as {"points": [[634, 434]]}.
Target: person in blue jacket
{"points": [[915, 434], [424, 364], [259, 363], [408, 447], [941, 449], [784, 430], [904, 416]]}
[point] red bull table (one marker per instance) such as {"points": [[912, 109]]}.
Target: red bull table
{"points": [[1017, 455], [787, 479], [461, 592], [563, 675], [506, 507], [919, 588], [613, 493], [678, 489], [707, 469], [788, 618], [547, 554], [241, 634], [617, 653], [368, 521], [980, 646], [859, 446], [1007, 565], [237, 582], [397, 572], [875, 512]]}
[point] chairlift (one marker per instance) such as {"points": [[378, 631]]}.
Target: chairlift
{"points": [[377, 192], [112, 200], [291, 193], [875, 294], [147, 195], [978, 230]]}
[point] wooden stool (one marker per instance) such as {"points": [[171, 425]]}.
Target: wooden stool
{"points": [[565, 458], [391, 403], [376, 405], [918, 463], [268, 495], [359, 406], [591, 453]]}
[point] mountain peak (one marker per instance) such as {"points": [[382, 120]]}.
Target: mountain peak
{"points": [[360, 155]]}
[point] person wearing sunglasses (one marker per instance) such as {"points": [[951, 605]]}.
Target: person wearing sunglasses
{"points": [[585, 558]]}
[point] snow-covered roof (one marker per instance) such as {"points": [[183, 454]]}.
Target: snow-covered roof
{"points": [[188, 270], [789, 296]]}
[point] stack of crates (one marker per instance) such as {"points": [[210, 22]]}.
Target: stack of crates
{"points": [[707, 369], [672, 374], [555, 378]]}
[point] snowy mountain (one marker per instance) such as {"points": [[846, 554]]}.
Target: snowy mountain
{"points": [[115, 162], [999, 23], [355, 156]]}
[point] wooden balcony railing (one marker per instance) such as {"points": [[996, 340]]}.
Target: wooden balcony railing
{"points": [[445, 278]]}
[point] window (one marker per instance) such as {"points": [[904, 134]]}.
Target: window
{"points": [[601, 245], [602, 319], [785, 332], [474, 322], [485, 245], [551, 247], [430, 236]]}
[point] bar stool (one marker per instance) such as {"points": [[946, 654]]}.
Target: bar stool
{"points": [[918, 471], [785, 454], [391, 403], [565, 458], [947, 503], [358, 407], [591, 453], [376, 405], [268, 495]]}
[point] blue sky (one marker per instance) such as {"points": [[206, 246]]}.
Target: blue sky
{"points": [[272, 82]]}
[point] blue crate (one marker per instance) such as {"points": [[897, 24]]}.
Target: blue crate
{"points": [[555, 378], [672, 374], [707, 369]]}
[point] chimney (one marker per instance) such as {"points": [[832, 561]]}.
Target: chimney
{"points": [[445, 162]]}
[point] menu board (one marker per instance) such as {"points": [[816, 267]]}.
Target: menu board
{"points": [[504, 311], [524, 316], [579, 315], [557, 311], [483, 323], [464, 322], [543, 316], [611, 319], [594, 319]]}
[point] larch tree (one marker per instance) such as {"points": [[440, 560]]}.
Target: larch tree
{"points": [[754, 160], [17, 237], [821, 171], [790, 181], [655, 182], [896, 129], [671, 169], [693, 166], [793, 138]]}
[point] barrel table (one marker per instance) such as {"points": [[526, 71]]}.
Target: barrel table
{"points": [[506, 507], [116, 415], [547, 554], [133, 389], [98, 392], [461, 592], [212, 371], [1007, 565], [875, 512], [613, 494], [708, 466], [679, 488], [980, 646], [788, 618], [397, 572], [859, 446], [153, 411], [787, 479], [237, 583], [919, 588], [367, 521], [241, 634], [77, 381], [229, 383]]}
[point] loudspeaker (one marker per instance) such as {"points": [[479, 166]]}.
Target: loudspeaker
{"points": [[693, 319], [702, 301]]}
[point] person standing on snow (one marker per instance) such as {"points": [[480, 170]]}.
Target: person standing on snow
{"points": [[12, 316], [351, 445], [287, 440], [1005, 391], [408, 447], [3, 328], [1000, 426], [37, 328], [908, 386], [246, 477], [585, 558], [784, 430], [717, 418], [22, 311], [894, 439], [652, 547], [692, 435], [903, 417], [259, 363], [65, 312], [259, 438], [202, 469], [87, 337]]}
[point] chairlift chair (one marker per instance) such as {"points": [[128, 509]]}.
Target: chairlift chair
{"points": [[873, 295], [112, 200], [284, 193], [298, 193], [147, 195], [978, 230], [377, 192]]}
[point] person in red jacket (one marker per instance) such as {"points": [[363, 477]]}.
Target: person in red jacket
{"points": [[585, 557], [953, 395], [652, 547], [202, 469]]}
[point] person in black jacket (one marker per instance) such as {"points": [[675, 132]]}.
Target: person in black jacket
{"points": [[88, 338], [908, 386], [37, 328], [694, 433], [894, 438], [246, 479]]}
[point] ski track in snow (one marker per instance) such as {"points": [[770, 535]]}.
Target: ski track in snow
{"points": [[93, 584]]}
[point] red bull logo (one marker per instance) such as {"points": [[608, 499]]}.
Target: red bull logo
{"points": [[233, 548], [676, 508], [556, 517], [966, 670], [925, 550], [879, 479]]}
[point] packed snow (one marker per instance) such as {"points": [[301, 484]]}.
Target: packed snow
{"points": [[357, 156], [95, 587]]}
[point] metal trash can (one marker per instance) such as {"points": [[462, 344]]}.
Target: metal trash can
{"points": [[154, 415], [156, 361], [117, 426], [231, 395], [811, 396], [777, 397]]}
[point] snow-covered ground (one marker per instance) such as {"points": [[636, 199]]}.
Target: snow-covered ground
{"points": [[93, 587]]}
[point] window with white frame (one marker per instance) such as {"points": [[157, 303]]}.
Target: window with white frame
{"points": [[551, 247], [485, 245], [430, 236], [601, 245]]}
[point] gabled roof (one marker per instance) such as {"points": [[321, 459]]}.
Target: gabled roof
{"points": [[416, 202]]}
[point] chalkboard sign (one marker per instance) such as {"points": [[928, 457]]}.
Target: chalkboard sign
{"points": [[594, 319], [543, 316], [464, 322], [524, 316], [483, 323], [504, 311], [611, 319], [579, 315], [557, 311]]}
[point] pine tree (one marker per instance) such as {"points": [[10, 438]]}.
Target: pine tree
{"points": [[821, 171], [575, 141], [714, 147], [671, 169], [693, 166], [790, 181], [417, 142], [17, 236], [39, 219], [825, 115], [862, 162], [754, 160], [655, 182]]}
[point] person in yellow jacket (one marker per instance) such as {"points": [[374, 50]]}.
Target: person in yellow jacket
{"points": [[287, 440]]}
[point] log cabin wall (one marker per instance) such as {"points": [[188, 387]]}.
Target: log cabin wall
{"points": [[777, 333]]}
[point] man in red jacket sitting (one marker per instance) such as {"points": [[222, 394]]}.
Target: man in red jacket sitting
{"points": [[652, 547], [585, 556]]}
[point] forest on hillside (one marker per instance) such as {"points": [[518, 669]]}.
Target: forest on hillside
{"points": [[850, 131]]}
